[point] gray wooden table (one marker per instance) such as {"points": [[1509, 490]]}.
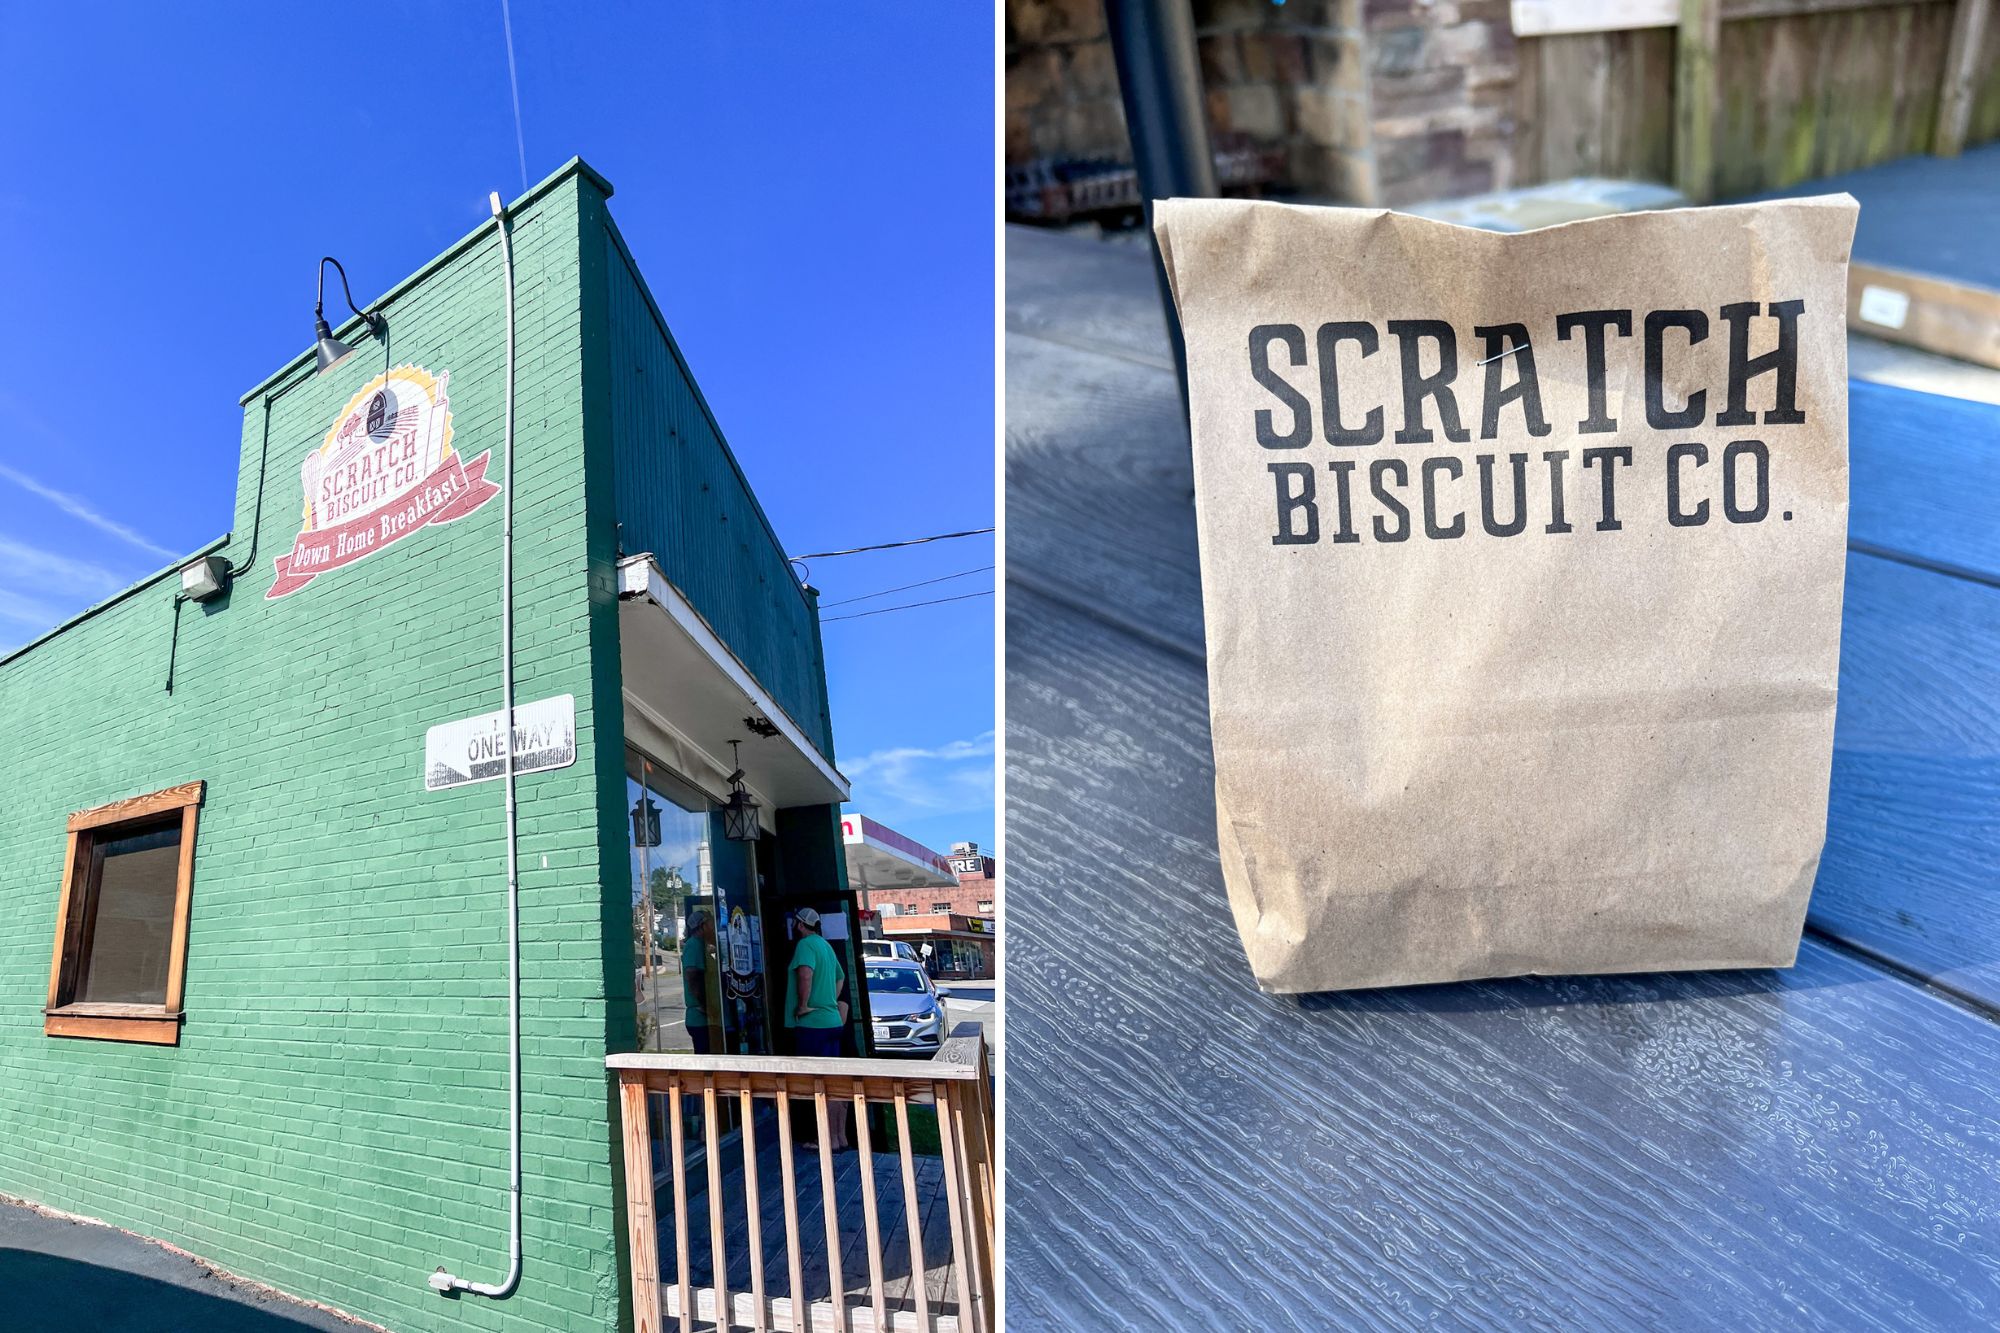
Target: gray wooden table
{"points": [[1812, 1148]]}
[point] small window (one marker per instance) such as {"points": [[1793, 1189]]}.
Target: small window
{"points": [[986, 907], [121, 923], [941, 907]]}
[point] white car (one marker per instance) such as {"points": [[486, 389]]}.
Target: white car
{"points": [[889, 949]]}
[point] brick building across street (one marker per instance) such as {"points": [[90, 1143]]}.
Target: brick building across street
{"points": [[973, 895]]}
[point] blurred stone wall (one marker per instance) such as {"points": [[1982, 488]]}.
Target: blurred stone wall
{"points": [[1368, 101]]}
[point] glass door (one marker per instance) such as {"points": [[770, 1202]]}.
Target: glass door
{"points": [[697, 942]]}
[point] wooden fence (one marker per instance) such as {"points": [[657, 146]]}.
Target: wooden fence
{"points": [[1729, 97], [710, 1090]]}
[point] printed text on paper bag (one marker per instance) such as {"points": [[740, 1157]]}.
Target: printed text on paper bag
{"points": [[1726, 478]]}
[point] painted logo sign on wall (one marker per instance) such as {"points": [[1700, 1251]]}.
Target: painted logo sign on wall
{"points": [[385, 472]]}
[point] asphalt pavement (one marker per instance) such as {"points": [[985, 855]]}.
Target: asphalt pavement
{"points": [[59, 1276], [975, 1002]]}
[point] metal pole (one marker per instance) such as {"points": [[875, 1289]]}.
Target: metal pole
{"points": [[1153, 43]]}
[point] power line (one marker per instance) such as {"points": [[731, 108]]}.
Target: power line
{"points": [[943, 578], [890, 546], [937, 601]]}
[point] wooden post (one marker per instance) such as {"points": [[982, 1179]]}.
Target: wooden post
{"points": [[965, 1266], [977, 1151], [1695, 41], [643, 1226], [793, 1240], [677, 1137], [1961, 67], [913, 1221], [865, 1157], [830, 1211], [718, 1252], [753, 1202]]}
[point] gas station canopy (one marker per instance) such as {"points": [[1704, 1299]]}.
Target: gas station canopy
{"points": [[878, 857]]}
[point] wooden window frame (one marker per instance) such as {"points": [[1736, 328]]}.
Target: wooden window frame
{"points": [[156, 1024]]}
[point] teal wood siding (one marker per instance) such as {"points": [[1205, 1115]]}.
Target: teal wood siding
{"points": [[334, 1120], [682, 497]]}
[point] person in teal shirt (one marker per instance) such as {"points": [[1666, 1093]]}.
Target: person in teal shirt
{"points": [[813, 985]]}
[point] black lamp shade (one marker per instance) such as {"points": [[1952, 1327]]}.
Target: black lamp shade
{"points": [[332, 351], [739, 818]]}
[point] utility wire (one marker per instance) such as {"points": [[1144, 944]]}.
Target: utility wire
{"points": [[883, 611], [890, 546], [943, 578]]}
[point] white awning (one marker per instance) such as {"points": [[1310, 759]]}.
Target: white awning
{"points": [[687, 696]]}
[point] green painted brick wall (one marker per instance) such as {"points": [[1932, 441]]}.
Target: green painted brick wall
{"points": [[333, 1121]]}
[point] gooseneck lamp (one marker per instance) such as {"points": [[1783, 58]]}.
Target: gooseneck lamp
{"points": [[332, 351]]}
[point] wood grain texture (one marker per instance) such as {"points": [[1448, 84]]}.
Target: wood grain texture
{"points": [[1924, 476], [1813, 94], [1924, 214], [1086, 290], [1961, 70], [1985, 124], [1100, 488], [153, 1030], [641, 1220], [1912, 863], [1949, 318], [139, 807], [183, 895], [1595, 104], [71, 879], [1695, 40], [1807, 1149]]}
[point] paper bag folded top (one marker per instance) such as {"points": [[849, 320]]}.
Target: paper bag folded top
{"points": [[1521, 562]]}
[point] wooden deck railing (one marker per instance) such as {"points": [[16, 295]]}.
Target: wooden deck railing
{"points": [[955, 1082]]}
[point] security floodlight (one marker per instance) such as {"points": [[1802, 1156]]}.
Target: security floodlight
{"points": [[205, 579], [331, 350]]}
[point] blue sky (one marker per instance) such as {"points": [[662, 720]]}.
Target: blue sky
{"points": [[825, 171]]}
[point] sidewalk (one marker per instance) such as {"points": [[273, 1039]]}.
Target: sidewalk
{"points": [[58, 1276]]}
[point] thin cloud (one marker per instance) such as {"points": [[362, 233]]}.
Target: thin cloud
{"points": [[78, 509], [40, 589], [45, 571], [952, 778], [26, 611]]}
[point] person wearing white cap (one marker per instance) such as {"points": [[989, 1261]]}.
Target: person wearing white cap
{"points": [[813, 1007]]}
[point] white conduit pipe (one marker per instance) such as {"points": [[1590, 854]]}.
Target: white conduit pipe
{"points": [[442, 1281]]}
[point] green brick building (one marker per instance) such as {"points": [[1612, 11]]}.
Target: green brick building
{"points": [[254, 972]]}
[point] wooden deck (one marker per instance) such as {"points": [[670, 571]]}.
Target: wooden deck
{"points": [[1812, 1148], [933, 1225]]}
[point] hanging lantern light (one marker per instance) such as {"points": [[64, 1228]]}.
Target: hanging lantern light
{"points": [[739, 817], [645, 822]]}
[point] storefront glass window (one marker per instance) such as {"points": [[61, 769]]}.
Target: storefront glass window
{"points": [[697, 930]]}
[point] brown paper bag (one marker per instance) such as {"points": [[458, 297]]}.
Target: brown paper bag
{"points": [[1521, 560]]}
